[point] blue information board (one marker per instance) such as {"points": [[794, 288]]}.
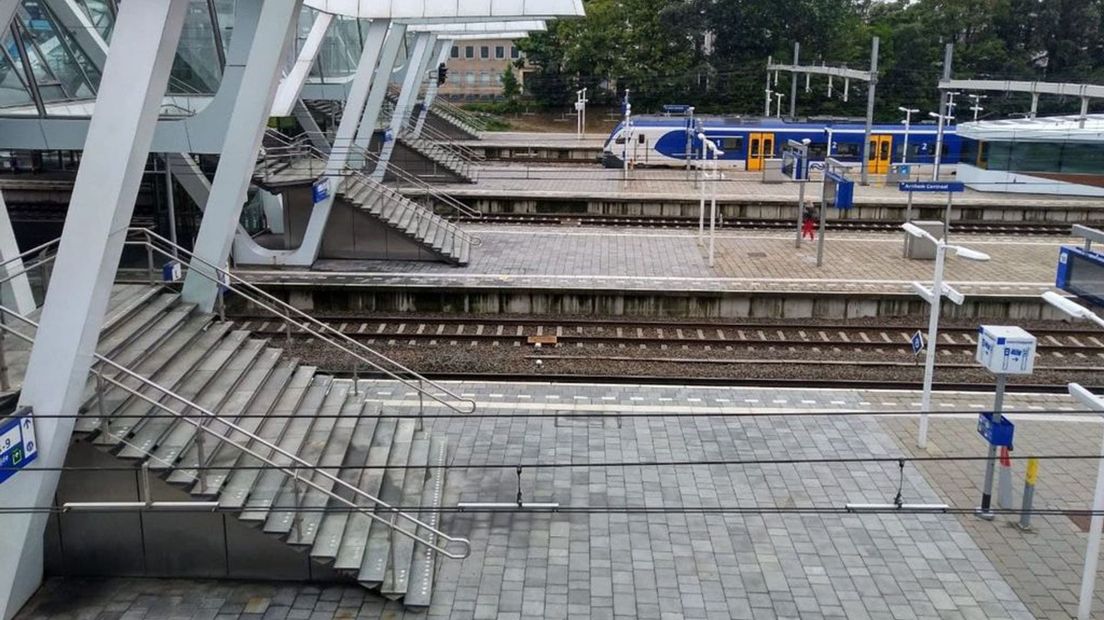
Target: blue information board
{"points": [[17, 443], [1081, 272], [839, 192], [931, 186], [997, 435], [320, 191]]}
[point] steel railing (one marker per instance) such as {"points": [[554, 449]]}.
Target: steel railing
{"points": [[303, 158], [294, 472], [297, 319]]}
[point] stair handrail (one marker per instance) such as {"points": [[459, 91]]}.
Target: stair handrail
{"points": [[444, 107], [307, 151], [406, 177], [443, 140], [308, 324], [378, 503]]}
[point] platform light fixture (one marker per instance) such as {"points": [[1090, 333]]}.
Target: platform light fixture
{"points": [[934, 296], [1092, 546], [908, 124], [1072, 308]]}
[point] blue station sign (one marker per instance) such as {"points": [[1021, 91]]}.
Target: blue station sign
{"points": [[931, 186], [18, 446], [996, 434]]}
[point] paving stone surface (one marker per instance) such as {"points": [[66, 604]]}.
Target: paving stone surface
{"points": [[605, 259], [717, 555], [1043, 566]]}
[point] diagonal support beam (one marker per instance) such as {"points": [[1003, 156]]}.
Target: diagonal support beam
{"points": [[76, 22], [15, 293], [441, 55], [248, 119], [290, 87], [378, 94], [411, 84], [119, 136]]}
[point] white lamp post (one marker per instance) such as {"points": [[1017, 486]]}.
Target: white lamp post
{"points": [[943, 120], [908, 123], [1092, 547], [709, 146], [934, 296]]}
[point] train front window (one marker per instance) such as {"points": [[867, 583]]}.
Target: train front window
{"points": [[619, 140]]}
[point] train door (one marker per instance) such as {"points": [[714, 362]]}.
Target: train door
{"points": [[640, 149], [760, 147], [881, 153]]}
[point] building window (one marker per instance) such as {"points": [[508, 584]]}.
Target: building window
{"points": [[515, 53], [455, 53], [500, 52], [484, 52], [485, 78], [469, 52], [469, 78]]}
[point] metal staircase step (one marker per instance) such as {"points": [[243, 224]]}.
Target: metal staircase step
{"points": [[286, 375], [197, 382], [328, 539], [419, 590], [438, 242], [181, 440], [423, 229], [409, 214], [282, 521], [397, 575], [130, 300], [331, 460], [465, 253], [263, 494], [211, 396], [236, 485], [129, 355], [173, 376], [354, 540], [150, 362], [135, 323], [378, 550]]}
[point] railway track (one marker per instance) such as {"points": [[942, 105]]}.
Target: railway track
{"points": [[645, 334], [1003, 228]]}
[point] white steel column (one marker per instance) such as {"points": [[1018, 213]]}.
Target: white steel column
{"points": [[378, 94], [411, 85], [16, 292], [288, 93], [239, 152], [7, 11], [119, 136], [363, 80], [441, 55]]}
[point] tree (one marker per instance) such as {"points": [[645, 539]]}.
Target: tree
{"points": [[510, 87]]}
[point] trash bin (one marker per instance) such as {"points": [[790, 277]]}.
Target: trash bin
{"points": [[923, 249]]}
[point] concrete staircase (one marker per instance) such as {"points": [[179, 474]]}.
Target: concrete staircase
{"points": [[250, 382], [441, 155], [417, 223]]}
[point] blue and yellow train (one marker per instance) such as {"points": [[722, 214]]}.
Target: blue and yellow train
{"points": [[662, 141]]}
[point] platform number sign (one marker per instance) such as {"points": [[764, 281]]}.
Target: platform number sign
{"points": [[917, 343], [18, 446]]}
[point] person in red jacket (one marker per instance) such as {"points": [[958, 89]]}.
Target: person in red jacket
{"points": [[809, 223]]}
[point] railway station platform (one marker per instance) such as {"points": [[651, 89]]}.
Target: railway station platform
{"points": [[528, 146], [724, 535], [607, 271], [541, 189]]}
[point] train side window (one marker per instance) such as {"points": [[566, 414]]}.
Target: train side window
{"points": [[755, 147], [642, 139], [884, 155], [619, 140], [817, 150], [731, 145], [847, 149]]}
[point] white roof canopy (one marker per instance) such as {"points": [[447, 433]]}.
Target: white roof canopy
{"points": [[1046, 128], [450, 11], [509, 34], [480, 28]]}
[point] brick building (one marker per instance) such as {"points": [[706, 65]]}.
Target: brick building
{"points": [[476, 67]]}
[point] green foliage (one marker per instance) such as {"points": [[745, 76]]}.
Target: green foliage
{"points": [[712, 53], [510, 87]]}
